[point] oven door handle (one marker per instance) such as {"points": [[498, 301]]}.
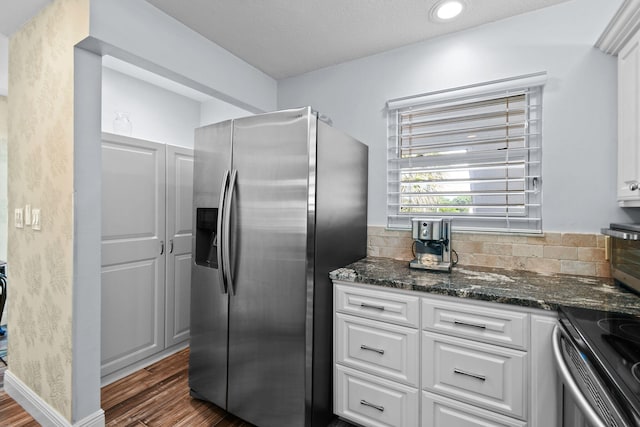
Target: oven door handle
{"points": [[624, 235], [571, 386]]}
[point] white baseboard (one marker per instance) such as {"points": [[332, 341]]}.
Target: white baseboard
{"points": [[40, 410], [94, 420]]}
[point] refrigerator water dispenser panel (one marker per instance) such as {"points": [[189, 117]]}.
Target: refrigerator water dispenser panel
{"points": [[207, 237]]}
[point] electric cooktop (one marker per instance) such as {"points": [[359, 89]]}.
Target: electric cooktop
{"points": [[612, 341]]}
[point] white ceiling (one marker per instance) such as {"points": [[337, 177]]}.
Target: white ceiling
{"points": [[289, 37]]}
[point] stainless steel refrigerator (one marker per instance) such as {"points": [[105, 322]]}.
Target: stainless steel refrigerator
{"points": [[280, 199]]}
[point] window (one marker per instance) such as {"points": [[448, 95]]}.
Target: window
{"points": [[472, 154]]}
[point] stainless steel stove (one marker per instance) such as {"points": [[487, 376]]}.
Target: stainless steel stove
{"points": [[598, 357], [598, 352]]}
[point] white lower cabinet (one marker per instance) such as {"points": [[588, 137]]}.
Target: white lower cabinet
{"points": [[376, 347], [373, 401], [486, 375], [379, 348], [452, 363]]}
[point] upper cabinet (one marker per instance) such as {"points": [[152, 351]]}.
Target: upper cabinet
{"points": [[629, 123], [622, 38]]}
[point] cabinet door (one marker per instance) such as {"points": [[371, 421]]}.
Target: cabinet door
{"points": [[179, 219], [133, 263], [629, 122]]}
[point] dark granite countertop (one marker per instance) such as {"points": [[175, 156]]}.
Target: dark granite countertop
{"points": [[523, 288]]}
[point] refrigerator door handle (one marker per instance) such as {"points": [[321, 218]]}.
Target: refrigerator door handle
{"points": [[227, 232], [223, 193]]}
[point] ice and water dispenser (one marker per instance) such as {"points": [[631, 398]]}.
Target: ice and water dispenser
{"points": [[207, 237]]}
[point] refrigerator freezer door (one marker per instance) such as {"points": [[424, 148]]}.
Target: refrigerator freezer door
{"points": [[209, 303], [269, 259]]}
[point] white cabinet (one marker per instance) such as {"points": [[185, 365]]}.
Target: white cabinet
{"points": [[178, 252], [486, 375], [146, 249], [376, 350], [492, 325], [380, 348], [471, 363], [372, 401], [629, 123], [378, 305], [544, 381]]}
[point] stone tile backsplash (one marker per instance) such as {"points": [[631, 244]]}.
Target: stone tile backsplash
{"points": [[570, 253]]}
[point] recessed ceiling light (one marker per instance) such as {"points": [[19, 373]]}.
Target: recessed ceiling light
{"points": [[446, 10]]}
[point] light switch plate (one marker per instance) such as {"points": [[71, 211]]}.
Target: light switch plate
{"points": [[18, 218], [27, 214], [35, 219]]}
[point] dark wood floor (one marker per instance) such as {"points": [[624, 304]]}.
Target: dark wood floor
{"points": [[155, 396], [12, 414], [159, 396]]}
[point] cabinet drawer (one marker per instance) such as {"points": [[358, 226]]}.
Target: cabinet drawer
{"points": [[372, 401], [486, 324], [438, 411], [380, 348], [378, 305], [485, 375]]}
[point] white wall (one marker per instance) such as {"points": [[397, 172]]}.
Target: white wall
{"points": [[87, 222], [137, 32], [214, 111], [156, 114], [4, 65], [579, 102]]}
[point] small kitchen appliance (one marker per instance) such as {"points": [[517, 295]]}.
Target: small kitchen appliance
{"points": [[432, 243]]}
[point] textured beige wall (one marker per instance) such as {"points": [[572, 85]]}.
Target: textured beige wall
{"points": [[41, 88], [566, 253], [3, 178]]}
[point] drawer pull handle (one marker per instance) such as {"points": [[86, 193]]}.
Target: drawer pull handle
{"points": [[469, 374], [371, 405], [377, 307], [473, 325], [377, 350]]}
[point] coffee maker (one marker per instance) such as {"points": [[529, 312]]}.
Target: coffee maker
{"points": [[432, 242]]}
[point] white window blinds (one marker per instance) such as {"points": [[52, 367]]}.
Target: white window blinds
{"points": [[472, 154]]}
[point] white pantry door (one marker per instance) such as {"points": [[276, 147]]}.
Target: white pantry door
{"points": [[133, 246], [179, 230]]}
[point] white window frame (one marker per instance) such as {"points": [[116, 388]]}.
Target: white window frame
{"points": [[526, 217]]}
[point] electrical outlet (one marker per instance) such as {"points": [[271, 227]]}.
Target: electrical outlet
{"points": [[27, 214]]}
